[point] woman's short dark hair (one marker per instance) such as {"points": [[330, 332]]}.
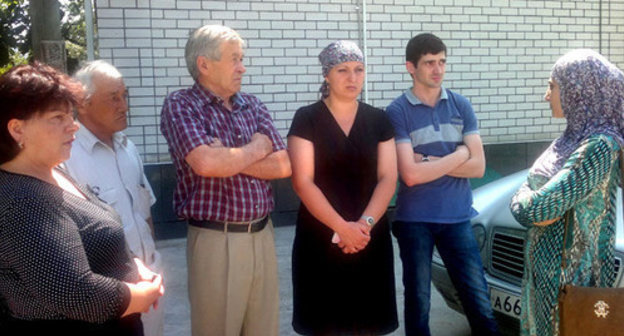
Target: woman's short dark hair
{"points": [[423, 44], [29, 89]]}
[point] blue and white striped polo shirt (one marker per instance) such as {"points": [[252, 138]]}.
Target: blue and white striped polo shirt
{"points": [[434, 131]]}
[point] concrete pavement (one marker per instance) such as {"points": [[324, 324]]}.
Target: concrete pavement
{"points": [[444, 321]]}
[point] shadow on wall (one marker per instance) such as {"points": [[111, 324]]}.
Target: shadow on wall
{"points": [[502, 160]]}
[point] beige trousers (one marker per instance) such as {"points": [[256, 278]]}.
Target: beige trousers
{"points": [[233, 282]]}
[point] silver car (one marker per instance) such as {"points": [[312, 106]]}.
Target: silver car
{"points": [[501, 242]]}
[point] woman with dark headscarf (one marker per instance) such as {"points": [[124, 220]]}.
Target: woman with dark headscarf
{"points": [[64, 264], [576, 177], [344, 170]]}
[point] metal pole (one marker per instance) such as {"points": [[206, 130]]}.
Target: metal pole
{"points": [[365, 51], [89, 28]]}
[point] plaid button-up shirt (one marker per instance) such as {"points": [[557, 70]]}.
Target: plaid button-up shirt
{"points": [[194, 117]]}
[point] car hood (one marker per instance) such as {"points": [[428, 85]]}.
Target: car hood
{"points": [[492, 202]]}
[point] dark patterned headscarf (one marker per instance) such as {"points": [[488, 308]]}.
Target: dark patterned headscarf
{"points": [[592, 99], [334, 54]]}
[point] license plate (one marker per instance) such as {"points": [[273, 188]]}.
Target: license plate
{"points": [[505, 303]]}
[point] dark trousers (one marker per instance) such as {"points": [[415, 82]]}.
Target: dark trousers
{"points": [[459, 251]]}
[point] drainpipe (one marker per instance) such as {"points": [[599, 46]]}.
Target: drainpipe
{"points": [[89, 28], [600, 26], [365, 44]]}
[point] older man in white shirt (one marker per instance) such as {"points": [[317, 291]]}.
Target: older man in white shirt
{"points": [[103, 158]]}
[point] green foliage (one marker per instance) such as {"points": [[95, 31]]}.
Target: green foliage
{"points": [[15, 58], [74, 31], [15, 41]]}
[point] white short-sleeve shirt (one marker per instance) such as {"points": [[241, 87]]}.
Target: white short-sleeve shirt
{"points": [[116, 176]]}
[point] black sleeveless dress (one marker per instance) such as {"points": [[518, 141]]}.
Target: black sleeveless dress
{"points": [[333, 292]]}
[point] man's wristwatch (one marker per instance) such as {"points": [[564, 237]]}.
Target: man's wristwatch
{"points": [[425, 158], [368, 219]]}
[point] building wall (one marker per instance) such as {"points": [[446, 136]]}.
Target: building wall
{"points": [[500, 52]]}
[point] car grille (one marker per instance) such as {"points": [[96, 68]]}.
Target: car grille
{"points": [[508, 255]]}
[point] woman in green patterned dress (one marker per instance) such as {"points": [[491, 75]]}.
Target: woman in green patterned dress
{"points": [[578, 174]]}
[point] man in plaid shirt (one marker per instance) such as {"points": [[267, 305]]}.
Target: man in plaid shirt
{"points": [[225, 149]]}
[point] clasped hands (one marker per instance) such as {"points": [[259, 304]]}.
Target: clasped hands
{"points": [[353, 237], [151, 283]]}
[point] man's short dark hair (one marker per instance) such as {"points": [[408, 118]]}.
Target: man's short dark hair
{"points": [[423, 44]]}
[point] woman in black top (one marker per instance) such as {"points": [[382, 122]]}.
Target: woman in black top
{"points": [[344, 170], [64, 265]]}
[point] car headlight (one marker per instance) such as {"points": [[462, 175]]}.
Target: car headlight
{"points": [[479, 232]]}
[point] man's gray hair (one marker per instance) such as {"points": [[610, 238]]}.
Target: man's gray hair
{"points": [[205, 41], [88, 70]]}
